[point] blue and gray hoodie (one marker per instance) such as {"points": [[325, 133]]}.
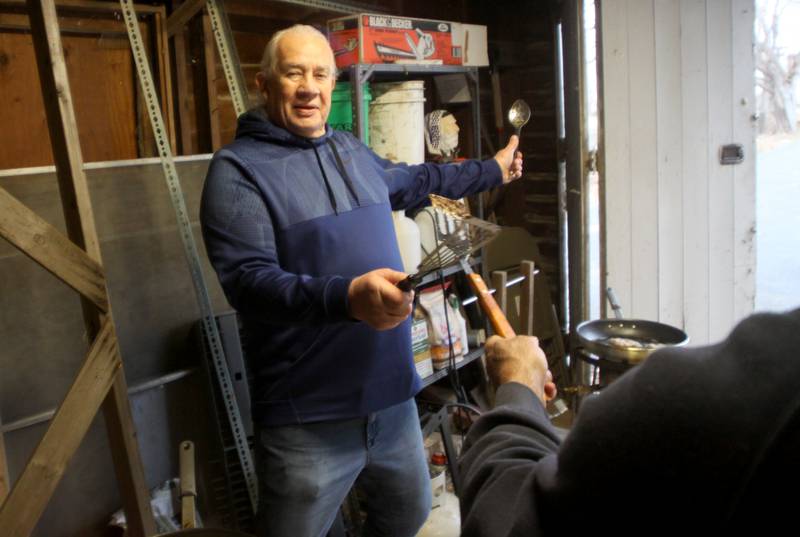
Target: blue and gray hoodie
{"points": [[288, 222]]}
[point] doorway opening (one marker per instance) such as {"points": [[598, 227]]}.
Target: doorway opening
{"points": [[777, 49]]}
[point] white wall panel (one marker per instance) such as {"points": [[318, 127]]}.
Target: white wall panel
{"points": [[616, 109], [694, 98], [643, 146], [720, 178], [667, 28], [678, 84], [744, 186]]}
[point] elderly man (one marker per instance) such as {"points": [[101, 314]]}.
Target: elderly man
{"points": [[297, 223], [695, 441]]}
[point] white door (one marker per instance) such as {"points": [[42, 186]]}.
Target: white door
{"points": [[678, 84]]}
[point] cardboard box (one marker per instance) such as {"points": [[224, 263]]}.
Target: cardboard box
{"points": [[471, 39], [366, 38]]}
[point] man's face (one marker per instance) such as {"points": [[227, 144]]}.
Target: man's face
{"points": [[298, 95]]}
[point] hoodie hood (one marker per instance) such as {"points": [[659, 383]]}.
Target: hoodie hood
{"points": [[256, 125]]}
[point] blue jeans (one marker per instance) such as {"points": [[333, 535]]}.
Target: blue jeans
{"points": [[306, 471]]}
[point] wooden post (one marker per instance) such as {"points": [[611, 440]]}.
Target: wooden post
{"points": [[188, 489], [526, 300], [101, 377], [165, 75], [211, 80], [182, 82], [499, 281]]}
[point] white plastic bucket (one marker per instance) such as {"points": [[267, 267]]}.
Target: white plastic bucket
{"points": [[397, 121], [397, 133]]}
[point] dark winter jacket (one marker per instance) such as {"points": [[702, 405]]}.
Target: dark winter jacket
{"points": [[695, 441], [288, 222]]}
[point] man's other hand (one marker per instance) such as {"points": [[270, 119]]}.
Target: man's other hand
{"points": [[510, 160], [519, 359], [375, 299]]}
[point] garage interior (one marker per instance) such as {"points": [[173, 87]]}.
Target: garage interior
{"points": [[112, 201]]}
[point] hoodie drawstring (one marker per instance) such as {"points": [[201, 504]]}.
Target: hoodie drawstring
{"points": [[331, 197], [343, 171]]}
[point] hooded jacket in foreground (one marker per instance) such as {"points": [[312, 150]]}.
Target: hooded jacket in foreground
{"points": [[694, 441], [288, 222]]}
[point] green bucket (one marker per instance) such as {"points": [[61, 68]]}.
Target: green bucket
{"points": [[341, 116]]}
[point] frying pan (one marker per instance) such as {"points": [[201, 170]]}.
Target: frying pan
{"points": [[594, 335]]}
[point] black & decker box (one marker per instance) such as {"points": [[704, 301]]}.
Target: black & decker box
{"points": [[366, 38]]}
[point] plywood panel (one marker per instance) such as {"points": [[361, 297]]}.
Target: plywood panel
{"points": [[694, 133], [643, 167], [616, 118], [99, 70], [667, 29]]}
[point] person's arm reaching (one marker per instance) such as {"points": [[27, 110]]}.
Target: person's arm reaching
{"points": [[505, 446], [411, 184]]}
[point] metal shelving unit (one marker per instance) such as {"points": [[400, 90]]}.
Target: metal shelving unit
{"points": [[471, 356], [361, 73], [364, 72]]}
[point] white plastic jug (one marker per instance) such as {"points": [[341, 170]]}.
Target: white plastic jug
{"points": [[408, 240]]}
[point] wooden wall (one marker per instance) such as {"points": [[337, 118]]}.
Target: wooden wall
{"points": [[112, 124], [680, 227]]}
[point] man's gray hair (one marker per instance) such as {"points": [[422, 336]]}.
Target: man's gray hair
{"points": [[269, 60]]}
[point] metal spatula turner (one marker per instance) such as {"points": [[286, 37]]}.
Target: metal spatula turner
{"points": [[466, 235], [454, 245]]}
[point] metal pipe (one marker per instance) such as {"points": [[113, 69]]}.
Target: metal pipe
{"points": [[563, 264], [514, 281], [42, 417], [576, 173]]}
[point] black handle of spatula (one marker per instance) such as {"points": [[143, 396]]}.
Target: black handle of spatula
{"points": [[410, 283]]}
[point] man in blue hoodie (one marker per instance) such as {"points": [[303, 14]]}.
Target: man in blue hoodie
{"points": [[297, 222]]}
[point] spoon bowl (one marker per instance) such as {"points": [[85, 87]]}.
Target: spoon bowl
{"points": [[518, 115]]}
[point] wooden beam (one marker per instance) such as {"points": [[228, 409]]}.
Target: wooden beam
{"points": [[182, 15], [162, 57], [23, 507], [211, 81], [62, 126], [78, 215], [127, 462], [185, 119], [47, 246]]}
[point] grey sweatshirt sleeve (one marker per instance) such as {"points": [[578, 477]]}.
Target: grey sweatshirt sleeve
{"points": [[499, 464]]}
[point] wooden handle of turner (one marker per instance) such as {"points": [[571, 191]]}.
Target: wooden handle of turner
{"points": [[188, 489], [496, 316]]}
